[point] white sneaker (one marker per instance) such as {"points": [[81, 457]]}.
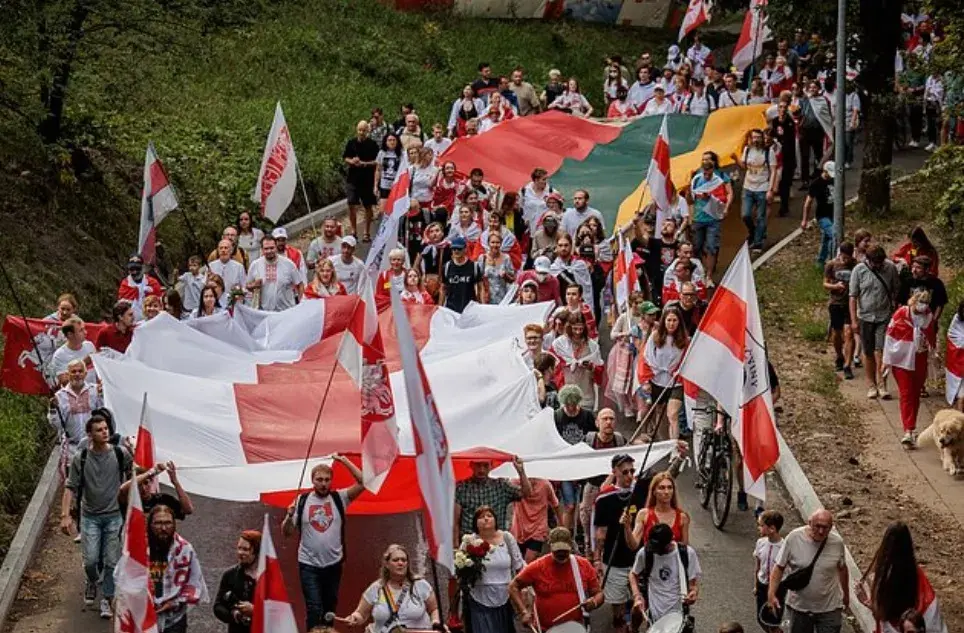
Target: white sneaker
{"points": [[872, 393], [912, 144], [883, 393], [930, 148], [105, 611], [908, 440]]}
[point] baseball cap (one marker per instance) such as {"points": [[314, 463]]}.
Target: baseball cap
{"points": [[542, 264], [279, 232], [560, 539], [620, 459], [555, 195], [659, 87], [830, 167], [648, 307], [350, 240], [458, 243]]}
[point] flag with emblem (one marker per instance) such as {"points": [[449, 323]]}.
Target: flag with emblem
{"points": [[278, 177], [134, 599]]}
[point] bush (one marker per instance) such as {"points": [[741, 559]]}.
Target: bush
{"points": [[943, 176]]}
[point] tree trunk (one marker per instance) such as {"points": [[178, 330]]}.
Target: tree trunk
{"points": [[879, 39], [54, 94]]}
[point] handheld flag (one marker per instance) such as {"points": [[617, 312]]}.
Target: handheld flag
{"points": [[697, 13], [955, 361], [754, 33], [134, 598], [144, 453], [272, 608], [624, 274], [278, 177], [658, 178], [157, 200]]}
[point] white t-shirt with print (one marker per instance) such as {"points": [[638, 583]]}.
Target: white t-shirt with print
{"points": [[321, 544], [410, 603], [278, 282], [759, 167], [348, 274], [664, 586]]}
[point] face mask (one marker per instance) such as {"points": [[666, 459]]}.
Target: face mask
{"points": [[920, 308], [541, 277]]}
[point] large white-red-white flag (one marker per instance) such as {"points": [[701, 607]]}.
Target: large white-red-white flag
{"points": [[133, 597], [954, 371], [278, 177], [386, 238], [727, 359], [272, 608], [625, 277], [658, 178], [754, 33], [433, 460], [697, 12], [144, 453], [157, 200]]}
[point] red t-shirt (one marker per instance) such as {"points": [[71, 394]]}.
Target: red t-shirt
{"points": [[556, 588], [113, 338], [548, 290]]}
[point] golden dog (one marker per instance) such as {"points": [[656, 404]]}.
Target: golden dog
{"points": [[947, 433]]}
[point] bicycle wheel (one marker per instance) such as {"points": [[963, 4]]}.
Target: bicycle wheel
{"points": [[704, 471], [722, 488]]}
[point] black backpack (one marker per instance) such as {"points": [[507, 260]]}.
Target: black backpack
{"points": [[123, 474], [339, 506]]}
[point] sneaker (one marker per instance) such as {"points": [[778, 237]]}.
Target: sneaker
{"points": [[105, 611], [848, 373], [757, 512], [883, 393], [741, 501], [857, 361], [908, 440], [838, 364], [847, 166], [930, 147], [90, 593], [872, 393], [77, 538], [912, 144]]}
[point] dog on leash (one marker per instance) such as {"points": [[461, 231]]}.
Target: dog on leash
{"points": [[947, 433]]}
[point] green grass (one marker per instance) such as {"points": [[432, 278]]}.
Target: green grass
{"points": [[792, 295], [823, 381]]}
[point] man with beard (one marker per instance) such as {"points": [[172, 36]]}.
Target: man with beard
{"points": [[175, 571], [70, 408], [759, 164], [579, 212], [275, 278], [137, 286], [348, 267], [657, 255], [326, 245], [690, 306], [280, 234], [711, 195]]}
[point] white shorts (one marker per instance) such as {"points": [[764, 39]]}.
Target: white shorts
{"points": [[617, 590]]}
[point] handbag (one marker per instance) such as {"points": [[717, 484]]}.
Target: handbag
{"points": [[800, 578]]}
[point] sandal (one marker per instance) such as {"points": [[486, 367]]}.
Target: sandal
{"points": [[367, 238]]}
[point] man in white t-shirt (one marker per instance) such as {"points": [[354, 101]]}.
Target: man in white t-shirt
{"points": [[438, 143], [230, 270], [759, 163], [655, 577], [77, 347], [348, 267], [326, 245], [579, 212], [659, 104], [276, 279], [731, 95], [319, 517]]}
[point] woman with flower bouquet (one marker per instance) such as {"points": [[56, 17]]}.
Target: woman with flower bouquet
{"points": [[485, 563]]}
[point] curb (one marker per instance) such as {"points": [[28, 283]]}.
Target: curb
{"points": [[305, 222], [25, 541]]}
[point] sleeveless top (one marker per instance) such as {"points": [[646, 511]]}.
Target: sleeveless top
{"points": [[651, 520]]}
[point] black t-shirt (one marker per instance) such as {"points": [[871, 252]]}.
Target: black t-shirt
{"points": [[785, 132], [485, 87], [164, 499], [691, 317], [156, 569], [821, 190], [574, 429], [657, 255], [929, 283], [460, 280], [367, 151], [553, 90], [608, 510]]}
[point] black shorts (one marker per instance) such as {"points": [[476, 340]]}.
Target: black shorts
{"points": [[383, 193], [364, 196], [532, 544], [872, 336], [839, 316]]}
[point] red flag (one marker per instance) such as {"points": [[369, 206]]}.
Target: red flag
{"points": [[134, 598], [658, 177], [22, 362], [697, 13], [272, 608], [433, 461], [144, 453], [157, 200]]}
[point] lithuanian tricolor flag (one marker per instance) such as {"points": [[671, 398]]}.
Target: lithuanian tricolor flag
{"points": [[610, 160]]}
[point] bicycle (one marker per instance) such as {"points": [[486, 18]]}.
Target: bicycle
{"points": [[714, 466]]}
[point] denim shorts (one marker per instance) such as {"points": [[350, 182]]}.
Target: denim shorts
{"points": [[706, 237], [570, 493]]}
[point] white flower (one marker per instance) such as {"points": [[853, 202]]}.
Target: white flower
{"points": [[466, 540]]}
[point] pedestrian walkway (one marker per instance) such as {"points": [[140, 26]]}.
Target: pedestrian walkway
{"points": [[917, 472]]}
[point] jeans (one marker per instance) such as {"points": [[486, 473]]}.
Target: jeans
{"points": [[101, 547], [826, 240], [828, 622], [756, 224], [320, 588]]}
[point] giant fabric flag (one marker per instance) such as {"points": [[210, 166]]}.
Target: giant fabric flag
{"points": [[157, 200], [727, 359], [658, 177], [433, 458], [955, 360], [754, 33], [134, 598], [272, 608], [144, 454], [278, 176], [697, 13], [29, 346]]}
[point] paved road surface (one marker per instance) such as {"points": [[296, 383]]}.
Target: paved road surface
{"points": [[725, 556]]}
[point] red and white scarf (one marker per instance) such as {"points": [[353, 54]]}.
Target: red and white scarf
{"points": [[955, 360], [659, 364], [908, 334]]}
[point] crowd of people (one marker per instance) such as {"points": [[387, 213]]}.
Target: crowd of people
{"points": [[619, 539]]}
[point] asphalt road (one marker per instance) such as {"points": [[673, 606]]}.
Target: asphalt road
{"points": [[724, 555]]}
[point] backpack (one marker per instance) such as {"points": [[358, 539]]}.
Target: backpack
{"points": [[620, 440], [123, 474], [339, 506], [649, 557], [766, 157]]}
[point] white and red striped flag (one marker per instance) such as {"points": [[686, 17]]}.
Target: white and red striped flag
{"points": [[754, 33], [433, 460], [625, 277], [134, 598], [272, 608], [955, 360], [278, 176], [697, 13], [387, 236], [157, 200], [144, 454], [727, 359], [658, 178]]}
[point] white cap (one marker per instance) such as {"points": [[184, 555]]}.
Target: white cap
{"points": [[279, 232], [830, 167], [350, 240], [542, 264]]}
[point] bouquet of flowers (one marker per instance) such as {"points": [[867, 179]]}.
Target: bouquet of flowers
{"points": [[470, 560]]}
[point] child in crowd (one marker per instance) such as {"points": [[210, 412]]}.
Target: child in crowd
{"points": [[192, 283], [765, 556]]}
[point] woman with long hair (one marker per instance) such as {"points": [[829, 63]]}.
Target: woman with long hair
{"points": [[954, 390], [398, 598], [173, 304], [249, 236], [614, 81], [234, 602], [433, 257], [862, 242], [497, 271], [580, 362], [622, 357], [572, 101], [489, 608], [917, 244], [448, 186], [509, 243], [911, 336], [656, 370], [464, 225], [466, 108], [325, 282], [662, 506], [387, 164], [152, 307], [66, 308], [414, 292], [894, 583], [209, 304], [424, 175]]}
